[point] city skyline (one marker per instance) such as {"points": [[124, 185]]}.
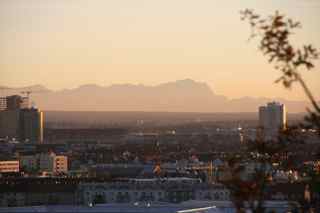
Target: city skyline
{"points": [[68, 44], [159, 106]]}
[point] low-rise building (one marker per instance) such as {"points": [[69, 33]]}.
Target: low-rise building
{"points": [[60, 164], [8, 166], [29, 162], [172, 190], [50, 162], [46, 161]]}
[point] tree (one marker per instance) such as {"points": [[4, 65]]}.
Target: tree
{"points": [[274, 33]]}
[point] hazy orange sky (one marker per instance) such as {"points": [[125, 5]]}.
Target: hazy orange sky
{"points": [[66, 43]]}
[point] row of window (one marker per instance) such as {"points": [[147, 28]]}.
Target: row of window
{"points": [[8, 164], [218, 195]]}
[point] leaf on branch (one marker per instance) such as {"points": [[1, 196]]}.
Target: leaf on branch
{"points": [[271, 58], [286, 83], [309, 65], [293, 24], [279, 79], [255, 16]]}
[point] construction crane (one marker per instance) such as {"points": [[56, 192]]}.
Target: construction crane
{"points": [[28, 94]]}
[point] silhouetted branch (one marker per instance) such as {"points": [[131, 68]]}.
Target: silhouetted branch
{"points": [[274, 33]]}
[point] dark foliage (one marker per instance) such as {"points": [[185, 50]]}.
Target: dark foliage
{"points": [[274, 33]]}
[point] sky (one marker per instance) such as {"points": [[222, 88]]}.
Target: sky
{"points": [[68, 43]]}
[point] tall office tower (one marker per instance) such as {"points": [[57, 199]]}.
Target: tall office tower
{"points": [[9, 124], [21, 122], [272, 119], [31, 125], [15, 102]]}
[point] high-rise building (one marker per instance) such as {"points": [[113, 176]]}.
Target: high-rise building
{"points": [[3, 103], [272, 119], [31, 124], [14, 102], [10, 124], [20, 122]]}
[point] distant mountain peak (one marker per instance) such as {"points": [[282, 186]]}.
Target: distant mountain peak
{"points": [[89, 86], [184, 95], [18, 90], [186, 81], [4, 87], [36, 87]]}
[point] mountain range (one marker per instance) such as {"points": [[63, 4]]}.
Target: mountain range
{"points": [[179, 96]]}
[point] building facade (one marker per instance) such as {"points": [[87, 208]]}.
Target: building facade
{"points": [[272, 119], [29, 163], [52, 163], [31, 124], [3, 103], [60, 164], [20, 122], [10, 124], [15, 102], [9, 166], [172, 190]]}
